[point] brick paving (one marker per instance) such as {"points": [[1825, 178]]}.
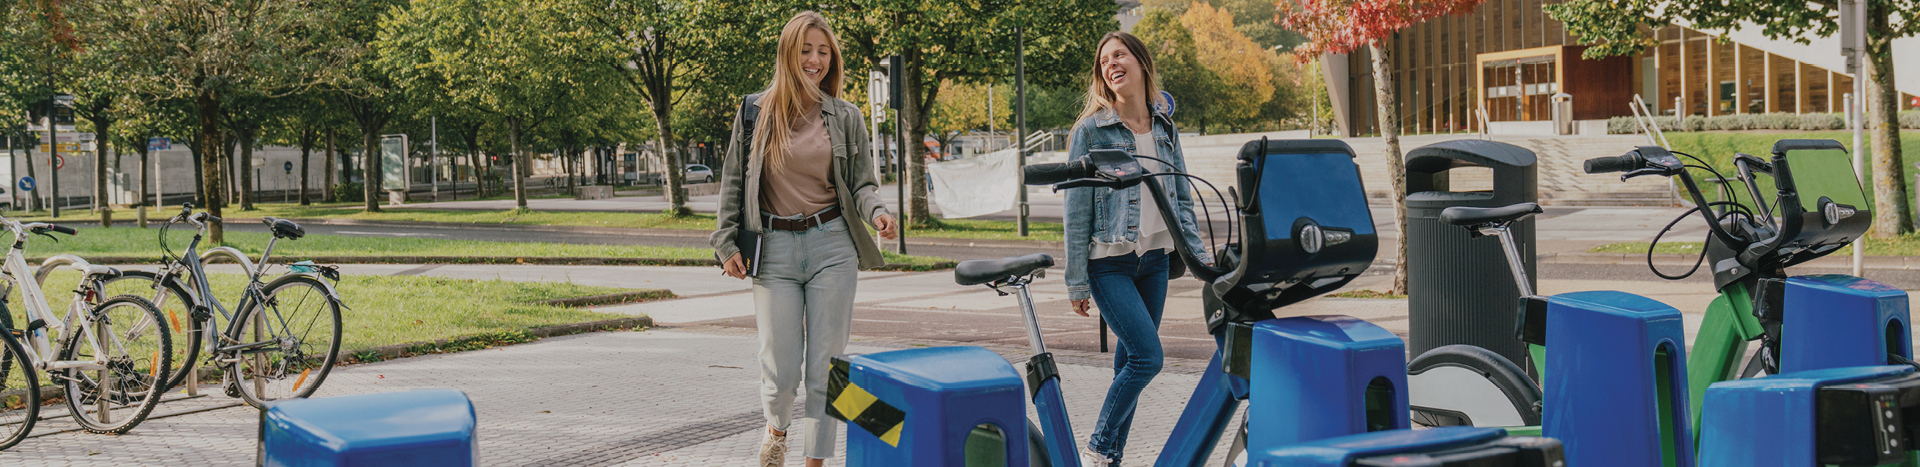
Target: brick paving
{"points": [[664, 397]]}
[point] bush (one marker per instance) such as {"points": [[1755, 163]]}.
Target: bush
{"points": [[1910, 120], [1777, 121], [349, 192], [1622, 126], [1734, 122], [1814, 122], [1693, 123]]}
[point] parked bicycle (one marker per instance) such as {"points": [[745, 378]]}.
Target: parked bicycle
{"points": [[279, 342], [113, 356]]}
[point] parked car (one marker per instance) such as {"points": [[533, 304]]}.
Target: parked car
{"points": [[697, 173]]}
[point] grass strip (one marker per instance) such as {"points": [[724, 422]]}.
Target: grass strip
{"points": [[123, 245], [975, 229]]}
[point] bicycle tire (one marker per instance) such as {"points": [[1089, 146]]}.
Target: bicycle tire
{"points": [[136, 384], [178, 311], [19, 391], [1466, 385], [268, 364]]}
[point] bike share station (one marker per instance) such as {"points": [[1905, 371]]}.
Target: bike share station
{"points": [[1830, 382]]}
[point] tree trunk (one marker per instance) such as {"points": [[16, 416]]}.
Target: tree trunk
{"points": [[198, 150], [245, 166], [1892, 215], [211, 186], [306, 164], [915, 115], [146, 175], [370, 176], [1390, 130], [520, 165], [327, 193], [103, 127], [33, 198], [675, 168]]}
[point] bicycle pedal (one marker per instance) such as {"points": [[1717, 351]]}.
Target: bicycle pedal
{"points": [[233, 389], [201, 313]]}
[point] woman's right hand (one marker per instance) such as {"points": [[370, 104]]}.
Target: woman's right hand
{"points": [[1080, 306], [735, 267]]}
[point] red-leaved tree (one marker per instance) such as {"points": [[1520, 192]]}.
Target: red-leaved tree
{"points": [[1342, 26]]}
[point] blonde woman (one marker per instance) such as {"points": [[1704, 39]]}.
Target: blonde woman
{"points": [[1118, 246], [803, 182]]}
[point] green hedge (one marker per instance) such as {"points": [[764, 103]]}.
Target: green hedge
{"points": [[1771, 121]]}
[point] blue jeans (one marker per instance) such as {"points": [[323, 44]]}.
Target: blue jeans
{"points": [[1131, 292], [803, 307]]}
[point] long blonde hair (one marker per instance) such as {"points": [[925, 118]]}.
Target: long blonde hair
{"points": [[1099, 96], [789, 93]]}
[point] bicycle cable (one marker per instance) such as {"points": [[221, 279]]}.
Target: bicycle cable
{"points": [[1232, 230]]}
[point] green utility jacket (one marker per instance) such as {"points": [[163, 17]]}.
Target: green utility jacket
{"points": [[852, 167]]}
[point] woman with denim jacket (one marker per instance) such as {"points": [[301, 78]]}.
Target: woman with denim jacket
{"points": [[805, 184], [1118, 245]]}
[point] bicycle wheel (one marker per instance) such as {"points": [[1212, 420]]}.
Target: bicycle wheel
{"points": [[176, 303], [290, 342], [136, 369], [19, 391]]}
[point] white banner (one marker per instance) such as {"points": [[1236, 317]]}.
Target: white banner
{"points": [[976, 186]]}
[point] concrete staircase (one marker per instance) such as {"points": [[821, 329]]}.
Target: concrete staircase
{"points": [[1563, 181]]}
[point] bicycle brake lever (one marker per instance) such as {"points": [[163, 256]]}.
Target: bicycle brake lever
{"points": [[1642, 173], [44, 234]]}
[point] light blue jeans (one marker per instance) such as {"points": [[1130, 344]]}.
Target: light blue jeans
{"points": [[803, 306]]}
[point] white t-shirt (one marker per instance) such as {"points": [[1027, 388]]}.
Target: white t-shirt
{"points": [[1153, 229]]}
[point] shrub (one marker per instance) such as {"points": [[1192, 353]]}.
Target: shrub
{"points": [[349, 192], [1622, 126], [1693, 123], [1910, 120], [1734, 122], [1777, 121], [1814, 122]]}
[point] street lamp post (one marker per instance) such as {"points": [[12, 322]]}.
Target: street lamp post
{"points": [[1020, 126]]}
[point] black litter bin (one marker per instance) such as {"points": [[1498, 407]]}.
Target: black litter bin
{"points": [[1460, 289]]}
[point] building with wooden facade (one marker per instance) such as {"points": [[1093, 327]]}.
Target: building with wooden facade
{"points": [[1507, 59]]}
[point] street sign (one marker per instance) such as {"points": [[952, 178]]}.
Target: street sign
{"points": [[393, 162], [26, 184], [1168, 96], [1851, 16], [66, 137], [287, 165], [59, 163], [159, 144], [69, 147]]}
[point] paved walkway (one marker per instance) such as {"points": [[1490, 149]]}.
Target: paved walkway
{"points": [[684, 394]]}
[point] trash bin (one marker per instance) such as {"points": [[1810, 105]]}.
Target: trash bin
{"points": [[1459, 288], [1563, 114]]}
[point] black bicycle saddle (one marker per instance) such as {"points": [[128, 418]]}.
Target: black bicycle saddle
{"points": [[981, 271], [283, 228], [1466, 216]]}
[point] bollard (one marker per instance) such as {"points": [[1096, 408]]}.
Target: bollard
{"points": [[1625, 402], [920, 407], [1324, 376], [1837, 321], [140, 213]]}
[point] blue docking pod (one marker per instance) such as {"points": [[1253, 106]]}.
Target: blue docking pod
{"points": [[428, 427], [1616, 392], [1444, 446], [1836, 321], [1324, 376], [1844, 416], [917, 407]]}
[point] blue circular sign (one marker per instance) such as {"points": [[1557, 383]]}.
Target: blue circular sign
{"points": [[26, 183], [287, 165], [1168, 96]]}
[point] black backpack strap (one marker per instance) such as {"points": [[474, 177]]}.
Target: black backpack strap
{"points": [[749, 111]]}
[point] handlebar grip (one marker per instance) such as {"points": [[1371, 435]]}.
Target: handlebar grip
{"points": [[204, 217], [1613, 164], [1049, 174], [63, 229]]}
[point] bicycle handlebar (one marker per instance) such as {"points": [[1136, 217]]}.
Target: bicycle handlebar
{"points": [[1054, 173], [1621, 163]]}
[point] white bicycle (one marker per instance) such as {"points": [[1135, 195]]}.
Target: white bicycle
{"points": [[113, 356]]}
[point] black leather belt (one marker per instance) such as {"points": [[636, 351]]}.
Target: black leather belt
{"points": [[796, 225]]}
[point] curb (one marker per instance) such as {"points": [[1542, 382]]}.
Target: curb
{"points": [[645, 232], [404, 350], [554, 261], [611, 299]]}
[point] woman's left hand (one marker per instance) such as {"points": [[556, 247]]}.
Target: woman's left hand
{"points": [[885, 224]]}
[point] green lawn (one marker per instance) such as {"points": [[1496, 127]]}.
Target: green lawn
{"points": [[1905, 245], [136, 242], [949, 228], [1718, 148]]}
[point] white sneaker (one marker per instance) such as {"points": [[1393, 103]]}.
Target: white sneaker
{"points": [[773, 450], [1088, 458]]}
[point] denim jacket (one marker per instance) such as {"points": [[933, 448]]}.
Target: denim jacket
{"points": [[1107, 215]]}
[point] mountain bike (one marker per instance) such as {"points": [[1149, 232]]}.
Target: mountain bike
{"points": [[112, 361], [279, 342]]}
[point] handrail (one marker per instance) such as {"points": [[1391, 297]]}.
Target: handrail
{"points": [[1038, 138], [1644, 117], [1484, 121]]}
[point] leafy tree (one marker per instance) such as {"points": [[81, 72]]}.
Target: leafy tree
{"points": [[965, 41], [1615, 28], [1245, 77], [1341, 26], [964, 108], [650, 46], [211, 50]]}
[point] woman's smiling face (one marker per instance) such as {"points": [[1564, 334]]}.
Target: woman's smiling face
{"points": [[816, 52], [1121, 70]]}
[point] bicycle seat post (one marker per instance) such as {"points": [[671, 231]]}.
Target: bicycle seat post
{"points": [[1026, 309], [1505, 234]]}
